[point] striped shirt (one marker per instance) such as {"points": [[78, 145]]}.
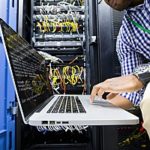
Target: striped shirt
{"points": [[133, 44]]}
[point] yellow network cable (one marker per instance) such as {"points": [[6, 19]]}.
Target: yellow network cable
{"points": [[74, 78], [39, 25], [64, 74], [60, 25], [57, 80], [47, 23], [55, 77], [62, 81], [54, 26], [74, 26], [81, 2]]}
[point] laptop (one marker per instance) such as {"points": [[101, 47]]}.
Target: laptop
{"points": [[37, 102]]}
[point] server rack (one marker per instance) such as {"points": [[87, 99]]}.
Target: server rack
{"points": [[62, 31], [59, 28]]}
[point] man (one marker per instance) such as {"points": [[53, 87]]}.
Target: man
{"points": [[133, 46]]}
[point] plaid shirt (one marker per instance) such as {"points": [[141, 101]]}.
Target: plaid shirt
{"points": [[133, 44]]}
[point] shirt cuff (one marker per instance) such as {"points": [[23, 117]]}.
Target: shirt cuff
{"points": [[143, 73], [134, 97]]}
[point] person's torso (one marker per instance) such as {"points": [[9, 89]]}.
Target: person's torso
{"points": [[133, 35]]}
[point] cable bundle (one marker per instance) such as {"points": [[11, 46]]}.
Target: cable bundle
{"points": [[60, 128], [67, 75], [53, 26]]}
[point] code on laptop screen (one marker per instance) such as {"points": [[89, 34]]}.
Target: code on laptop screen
{"points": [[29, 71]]}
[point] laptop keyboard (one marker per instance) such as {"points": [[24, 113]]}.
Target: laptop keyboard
{"points": [[44, 104], [67, 104]]}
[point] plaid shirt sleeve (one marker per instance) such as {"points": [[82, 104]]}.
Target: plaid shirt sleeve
{"points": [[129, 60]]}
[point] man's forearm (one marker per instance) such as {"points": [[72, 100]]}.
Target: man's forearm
{"points": [[121, 102]]}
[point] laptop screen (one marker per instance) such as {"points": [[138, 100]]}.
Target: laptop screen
{"points": [[28, 69]]}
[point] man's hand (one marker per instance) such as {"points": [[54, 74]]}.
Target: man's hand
{"points": [[128, 83]]}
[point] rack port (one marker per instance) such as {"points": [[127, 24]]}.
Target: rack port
{"points": [[52, 122], [65, 122], [44, 122]]}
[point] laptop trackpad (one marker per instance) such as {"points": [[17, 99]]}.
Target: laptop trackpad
{"points": [[104, 103]]}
